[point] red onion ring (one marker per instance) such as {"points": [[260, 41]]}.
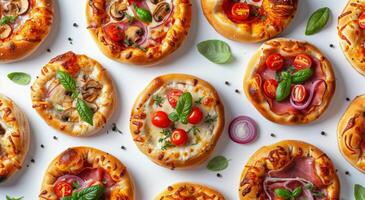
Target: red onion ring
{"points": [[70, 179], [310, 98], [145, 31], [242, 130], [167, 18]]}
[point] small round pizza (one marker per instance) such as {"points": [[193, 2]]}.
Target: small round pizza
{"points": [[74, 94], [177, 120], [249, 20], [289, 81], [14, 138], [289, 169], [86, 173], [191, 191], [139, 32], [350, 133], [351, 31], [24, 25]]}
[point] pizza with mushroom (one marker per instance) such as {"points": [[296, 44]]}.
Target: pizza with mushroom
{"points": [[138, 32], [74, 94], [190, 191], [289, 81], [24, 25], [14, 138], [249, 20], [177, 120], [86, 173], [289, 169]]}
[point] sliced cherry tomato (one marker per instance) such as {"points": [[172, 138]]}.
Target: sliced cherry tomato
{"points": [[362, 20], [195, 116], [298, 93], [275, 62], [179, 137], [161, 119], [270, 88], [62, 189], [240, 11], [114, 32], [302, 61], [173, 96], [256, 1]]}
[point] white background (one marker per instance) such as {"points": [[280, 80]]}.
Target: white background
{"points": [[149, 178]]}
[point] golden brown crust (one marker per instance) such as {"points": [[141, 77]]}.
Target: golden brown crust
{"points": [[14, 138], [277, 156], [191, 191], [97, 17], [74, 160], [278, 15], [27, 38], [43, 102], [351, 35], [350, 133], [287, 47], [138, 121]]}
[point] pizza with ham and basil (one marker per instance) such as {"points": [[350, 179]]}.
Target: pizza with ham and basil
{"points": [[74, 94], [24, 25], [189, 191], [14, 138], [249, 20], [86, 173], [289, 81], [289, 170], [177, 120], [138, 31]]}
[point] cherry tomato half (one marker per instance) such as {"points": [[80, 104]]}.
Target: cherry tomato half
{"points": [[302, 61], [298, 93], [179, 137], [270, 88], [362, 20], [161, 119], [256, 0], [114, 32], [195, 116], [275, 62], [62, 189], [173, 96], [240, 11]]}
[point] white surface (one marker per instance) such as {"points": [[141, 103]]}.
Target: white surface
{"points": [[149, 178]]}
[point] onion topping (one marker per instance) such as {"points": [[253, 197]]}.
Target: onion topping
{"points": [[70, 179], [166, 18], [242, 130], [310, 98]]}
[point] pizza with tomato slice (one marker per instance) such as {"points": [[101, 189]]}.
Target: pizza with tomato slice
{"points": [[289, 169], [249, 20], [177, 120], [191, 191], [86, 173], [24, 25], [289, 81], [351, 31], [74, 94], [14, 138], [139, 32]]}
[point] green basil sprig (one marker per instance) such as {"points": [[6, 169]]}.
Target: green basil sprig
{"points": [[13, 198], [91, 193], [301, 75], [66, 81], [7, 20], [283, 89], [216, 51], [359, 192], [143, 14], [20, 78], [218, 163], [287, 194], [317, 21], [183, 108]]}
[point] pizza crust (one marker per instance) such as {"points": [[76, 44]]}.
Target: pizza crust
{"points": [[287, 47], [74, 160], [14, 138], [277, 156], [30, 35], [278, 17]]}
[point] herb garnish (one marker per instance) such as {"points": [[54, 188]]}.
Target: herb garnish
{"points": [[194, 130], [166, 139], [218, 163], [216, 51], [158, 100], [7, 20], [183, 108], [13, 198], [91, 193], [210, 119], [199, 101], [287, 194], [317, 21], [359, 192], [20, 78]]}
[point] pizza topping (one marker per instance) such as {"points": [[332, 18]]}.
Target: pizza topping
{"points": [[23, 6], [302, 61], [179, 137], [362, 20], [134, 34], [242, 130], [160, 119], [270, 87], [275, 62], [115, 32], [15, 8], [62, 189], [305, 105], [298, 93], [5, 31], [155, 1], [240, 11], [91, 90], [195, 116], [173, 96], [143, 14], [161, 11], [117, 10]]}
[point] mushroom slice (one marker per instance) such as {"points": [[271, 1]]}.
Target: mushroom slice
{"points": [[91, 90], [117, 10], [69, 115], [161, 11], [11, 9], [23, 6], [5, 31], [134, 34]]}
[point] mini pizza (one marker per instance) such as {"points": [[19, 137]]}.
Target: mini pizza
{"points": [[74, 94], [351, 31], [289, 81], [177, 120], [14, 138], [86, 173], [249, 20], [138, 32], [189, 191], [289, 170], [24, 25], [350, 133]]}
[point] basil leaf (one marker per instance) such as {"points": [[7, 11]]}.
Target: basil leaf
{"points": [[174, 116], [283, 193], [317, 21], [91, 193], [85, 112], [13, 198], [67, 198], [218, 163], [283, 90], [20, 78], [297, 192], [359, 192], [216, 51], [66, 80], [143, 14], [302, 75], [7, 20], [183, 107]]}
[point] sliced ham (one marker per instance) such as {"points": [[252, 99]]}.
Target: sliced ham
{"points": [[93, 176]]}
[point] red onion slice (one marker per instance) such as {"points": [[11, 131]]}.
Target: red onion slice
{"points": [[310, 98], [70, 179], [242, 130], [145, 31], [167, 18]]}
